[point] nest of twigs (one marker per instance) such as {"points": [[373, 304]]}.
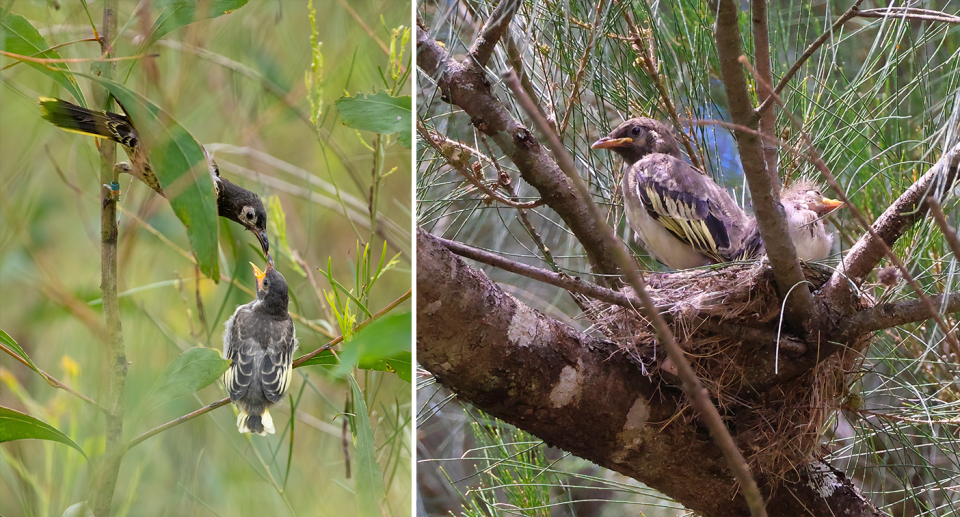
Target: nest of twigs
{"points": [[777, 429]]}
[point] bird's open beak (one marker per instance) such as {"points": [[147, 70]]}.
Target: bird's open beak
{"points": [[260, 275], [607, 142], [264, 243], [831, 204]]}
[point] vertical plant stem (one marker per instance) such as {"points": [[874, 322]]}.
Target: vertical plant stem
{"points": [[768, 118], [378, 157], [109, 467]]}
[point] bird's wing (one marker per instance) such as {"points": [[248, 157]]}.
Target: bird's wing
{"points": [[276, 367], [688, 204], [242, 351]]}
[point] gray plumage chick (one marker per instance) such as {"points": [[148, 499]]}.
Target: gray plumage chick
{"points": [[680, 216], [260, 340]]}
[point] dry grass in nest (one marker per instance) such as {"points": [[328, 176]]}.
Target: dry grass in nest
{"points": [[777, 430]]}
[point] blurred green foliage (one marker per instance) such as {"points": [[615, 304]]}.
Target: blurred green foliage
{"points": [[234, 82]]}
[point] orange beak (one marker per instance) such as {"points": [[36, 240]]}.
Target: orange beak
{"points": [[831, 204], [260, 276], [607, 142]]}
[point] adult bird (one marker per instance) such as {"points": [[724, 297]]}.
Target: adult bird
{"points": [[805, 208], [260, 340], [233, 202], [680, 216]]}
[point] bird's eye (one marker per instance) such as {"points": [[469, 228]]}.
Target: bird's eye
{"points": [[248, 212], [635, 131]]}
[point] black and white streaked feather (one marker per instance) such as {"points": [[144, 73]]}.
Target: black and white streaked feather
{"points": [[260, 340], [681, 217], [233, 202]]}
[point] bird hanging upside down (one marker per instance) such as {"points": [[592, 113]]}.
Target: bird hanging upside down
{"points": [[233, 202], [260, 340]]}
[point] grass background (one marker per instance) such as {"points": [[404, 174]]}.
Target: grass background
{"points": [[237, 80]]}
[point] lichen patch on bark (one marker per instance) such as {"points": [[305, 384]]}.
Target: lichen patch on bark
{"points": [[524, 326], [569, 388]]}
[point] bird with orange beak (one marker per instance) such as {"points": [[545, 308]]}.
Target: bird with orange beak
{"points": [[260, 339]]}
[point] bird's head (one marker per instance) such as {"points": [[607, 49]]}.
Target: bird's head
{"points": [[271, 287], [639, 137], [254, 218], [806, 195]]}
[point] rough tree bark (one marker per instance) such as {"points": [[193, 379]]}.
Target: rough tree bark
{"points": [[546, 378]]}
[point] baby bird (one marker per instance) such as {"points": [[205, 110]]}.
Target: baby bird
{"points": [[260, 340], [805, 208], [681, 217]]}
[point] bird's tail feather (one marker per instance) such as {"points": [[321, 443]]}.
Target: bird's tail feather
{"points": [[259, 424], [77, 119]]}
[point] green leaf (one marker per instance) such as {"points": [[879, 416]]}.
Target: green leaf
{"points": [[15, 425], [177, 159], [277, 220], [383, 346], [369, 487], [190, 372], [19, 37], [78, 510], [379, 113], [8, 342], [179, 13]]}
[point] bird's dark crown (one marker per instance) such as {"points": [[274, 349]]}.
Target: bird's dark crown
{"points": [[273, 294], [639, 137], [240, 205]]}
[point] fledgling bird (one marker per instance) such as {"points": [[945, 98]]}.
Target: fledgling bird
{"points": [[260, 340], [233, 202], [680, 216], [805, 209]]}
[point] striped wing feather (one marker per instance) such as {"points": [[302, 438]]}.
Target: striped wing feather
{"points": [[688, 204], [262, 354]]}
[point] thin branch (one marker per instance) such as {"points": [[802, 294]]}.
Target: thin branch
{"points": [[52, 48], [581, 69], [109, 468], [948, 231], [492, 30], [648, 63], [771, 220], [691, 383], [51, 380], [909, 13], [850, 13], [768, 118], [437, 143], [560, 280], [45, 61], [894, 314]]}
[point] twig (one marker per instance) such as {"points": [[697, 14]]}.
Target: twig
{"points": [[109, 468], [548, 277], [580, 70], [771, 219], [51, 380], [691, 383], [850, 13], [52, 48], [768, 118], [431, 138], [648, 65], [894, 314], [909, 13], [45, 61], [499, 21]]}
